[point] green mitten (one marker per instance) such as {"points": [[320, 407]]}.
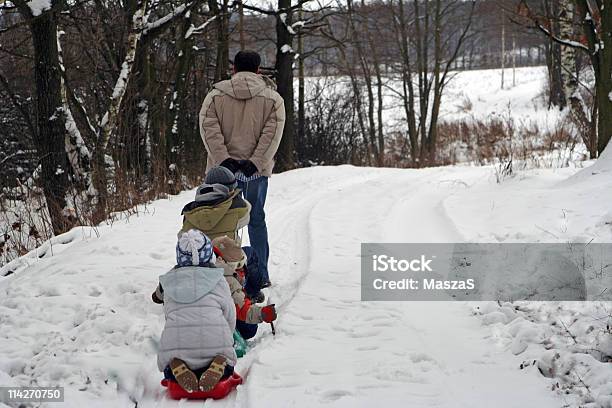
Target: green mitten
{"points": [[240, 344]]}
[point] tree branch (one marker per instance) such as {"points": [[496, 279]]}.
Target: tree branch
{"points": [[567, 43], [24, 112]]}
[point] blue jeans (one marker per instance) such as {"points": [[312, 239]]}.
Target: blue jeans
{"points": [[255, 192], [246, 330], [254, 279]]}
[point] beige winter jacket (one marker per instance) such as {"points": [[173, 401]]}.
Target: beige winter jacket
{"points": [[243, 118]]}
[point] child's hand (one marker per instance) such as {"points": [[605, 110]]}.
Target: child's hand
{"points": [[268, 313]]}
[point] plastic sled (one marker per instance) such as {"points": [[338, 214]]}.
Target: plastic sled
{"points": [[221, 390], [240, 344]]}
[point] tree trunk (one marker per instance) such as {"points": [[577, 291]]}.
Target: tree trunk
{"points": [[568, 54], [407, 86], [432, 138], [366, 74], [110, 121], [557, 88], [284, 80], [378, 128], [514, 59], [301, 131], [604, 84], [503, 49], [241, 26], [599, 41], [51, 136], [179, 129], [79, 155], [222, 70]]}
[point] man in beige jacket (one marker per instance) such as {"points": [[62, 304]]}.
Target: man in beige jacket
{"points": [[241, 124]]}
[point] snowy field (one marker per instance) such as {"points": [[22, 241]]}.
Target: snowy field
{"points": [[471, 95], [81, 316]]}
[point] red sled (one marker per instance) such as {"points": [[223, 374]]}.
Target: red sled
{"points": [[221, 390]]}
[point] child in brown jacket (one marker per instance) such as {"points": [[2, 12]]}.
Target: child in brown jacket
{"points": [[232, 259]]}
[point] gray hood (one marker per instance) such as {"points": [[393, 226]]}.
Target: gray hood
{"points": [[189, 284]]}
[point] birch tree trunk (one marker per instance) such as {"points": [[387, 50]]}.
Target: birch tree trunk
{"points": [[110, 120], [568, 54], [79, 155]]}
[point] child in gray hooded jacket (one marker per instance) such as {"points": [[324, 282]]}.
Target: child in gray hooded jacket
{"points": [[200, 317]]}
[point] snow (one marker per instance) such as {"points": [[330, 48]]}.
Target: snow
{"points": [[286, 48], [104, 120], [196, 30], [121, 83], [299, 24], [80, 313], [39, 6], [82, 318], [163, 20], [600, 169], [470, 96]]}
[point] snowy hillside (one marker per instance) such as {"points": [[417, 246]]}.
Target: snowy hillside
{"points": [[81, 317], [474, 95]]}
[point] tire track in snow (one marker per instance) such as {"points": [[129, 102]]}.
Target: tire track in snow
{"points": [[287, 278], [336, 350]]}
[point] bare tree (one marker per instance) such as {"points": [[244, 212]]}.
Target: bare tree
{"points": [[428, 62], [595, 20], [50, 134]]}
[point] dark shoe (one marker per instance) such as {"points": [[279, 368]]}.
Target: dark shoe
{"points": [[156, 299], [184, 376], [259, 297], [213, 374]]}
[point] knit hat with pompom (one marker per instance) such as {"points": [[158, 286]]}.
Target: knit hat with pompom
{"points": [[194, 248]]}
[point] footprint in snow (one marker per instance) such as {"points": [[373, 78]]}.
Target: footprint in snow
{"points": [[361, 333], [367, 348], [422, 358], [319, 372], [334, 395], [94, 292]]}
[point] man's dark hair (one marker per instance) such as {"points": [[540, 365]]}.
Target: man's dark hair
{"points": [[247, 61]]}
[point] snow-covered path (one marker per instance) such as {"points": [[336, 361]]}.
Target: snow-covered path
{"points": [[83, 317], [334, 350]]}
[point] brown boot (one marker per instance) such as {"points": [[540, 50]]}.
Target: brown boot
{"points": [[184, 376], [213, 374]]}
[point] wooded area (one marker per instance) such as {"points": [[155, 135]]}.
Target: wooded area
{"points": [[100, 99]]}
